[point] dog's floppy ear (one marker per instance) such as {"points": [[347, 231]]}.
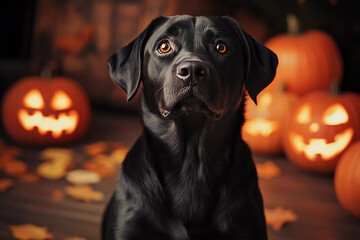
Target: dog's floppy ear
{"points": [[125, 65], [261, 62]]}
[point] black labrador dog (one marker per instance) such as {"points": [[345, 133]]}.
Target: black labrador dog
{"points": [[190, 176]]}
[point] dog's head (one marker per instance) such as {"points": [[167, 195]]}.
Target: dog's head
{"points": [[193, 64]]}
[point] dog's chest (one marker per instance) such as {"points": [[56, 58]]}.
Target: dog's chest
{"points": [[193, 195]]}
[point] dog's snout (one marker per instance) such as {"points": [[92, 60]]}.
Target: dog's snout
{"points": [[192, 71]]}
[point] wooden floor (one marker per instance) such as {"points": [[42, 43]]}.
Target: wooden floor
{"points": [[311, 197]]}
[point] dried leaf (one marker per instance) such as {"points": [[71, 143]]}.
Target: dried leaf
{"points": [[278, 216], [30, 232], [104, 165], [50, 170], [83, 177], [29, 178], [6, 184], [58, 161], [96, 148], [84, 193], [11, 151], [75, 238], [57, 195], [268, 170], [119, 154], [60, 156], [13, 167]]}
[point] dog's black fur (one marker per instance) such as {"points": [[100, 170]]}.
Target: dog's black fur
{"points": [[190, 175]]}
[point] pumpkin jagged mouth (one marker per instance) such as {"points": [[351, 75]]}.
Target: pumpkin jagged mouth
{"points": [[319, 146], [56, 125]]}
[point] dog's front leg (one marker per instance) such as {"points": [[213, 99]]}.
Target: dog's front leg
{"points": [[136, 214], [145, 225], [242, 218], [240, 212]]}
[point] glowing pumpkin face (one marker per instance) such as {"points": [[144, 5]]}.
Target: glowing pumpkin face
{"points": [[322, 128], [263, 126], [43, 112], [319, 146]]}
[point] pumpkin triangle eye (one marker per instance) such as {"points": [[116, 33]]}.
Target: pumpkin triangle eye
{"points": [[335, 114], [61, 100], [303, 115], [33, 99]]}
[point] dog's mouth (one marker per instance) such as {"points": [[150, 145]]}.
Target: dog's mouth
{"points": [[189, 106]]}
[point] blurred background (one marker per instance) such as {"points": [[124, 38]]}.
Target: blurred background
{"points": [[37, 32], [74, 38]]}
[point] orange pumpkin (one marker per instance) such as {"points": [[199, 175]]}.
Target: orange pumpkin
{"points": [[40, 111], [307, 62], [321, 128], [264, 125], [347, 179]]}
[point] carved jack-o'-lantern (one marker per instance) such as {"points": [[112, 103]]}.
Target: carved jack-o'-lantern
{"points": [[263, 128], [321, 129], [45, 111]]}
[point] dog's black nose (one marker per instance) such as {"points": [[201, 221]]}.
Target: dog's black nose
{"points": [[192, 71]]}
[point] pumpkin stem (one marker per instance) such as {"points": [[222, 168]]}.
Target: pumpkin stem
{"points": [[47, 71], [293, 25], [334, 88]]}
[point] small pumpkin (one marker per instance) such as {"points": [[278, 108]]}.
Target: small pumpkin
{"points": [[308, 61], [264, 125], [40, 111], [321, 129], [347, 179]]}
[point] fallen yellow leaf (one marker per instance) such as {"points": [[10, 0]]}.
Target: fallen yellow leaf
{"points": [[82, 177], [278, 216], [96, 148], [268, 170], [5, 184], [84, 193], [51, 170], [75, 238], [30, 232]]}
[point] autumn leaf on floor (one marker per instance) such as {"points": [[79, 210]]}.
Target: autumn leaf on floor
{"points": [[60, 156], [30, 232], [50, 170], [29, 178], [268, 170], [119, 154], [104, 165], [8, 161], [84, 193], [57, 195], [12, 166], [57, 162], [6, 184], [10, 151], [278, 216], [75, 238], [96, 148], [82, 177]]}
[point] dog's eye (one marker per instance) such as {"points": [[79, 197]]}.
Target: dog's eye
{"points": [[221, 48], [164, 47]]}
